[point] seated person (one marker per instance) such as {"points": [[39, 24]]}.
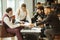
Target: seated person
{"points": [[38, 17], [10, 27], [23, 14], [47, 11], [53, 20]]}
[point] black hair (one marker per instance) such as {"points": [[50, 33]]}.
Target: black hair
{"points": [[41, 8], [49, 7], [23, 5], [8, 9]]}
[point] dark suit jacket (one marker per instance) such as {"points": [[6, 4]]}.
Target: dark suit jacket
{"points": [[42, 15], [54, 21]]}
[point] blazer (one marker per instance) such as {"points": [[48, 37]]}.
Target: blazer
{"points": [[53, 20], [42, 15]]}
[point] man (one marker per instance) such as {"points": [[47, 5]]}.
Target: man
{"points": [[47, 11], [53, 20], [38, 17], [11, 27]]}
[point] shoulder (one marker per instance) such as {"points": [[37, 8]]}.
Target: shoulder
{"points": [[5, 16], [6, 19]]}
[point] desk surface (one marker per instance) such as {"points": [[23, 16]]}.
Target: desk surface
{"points": [[33, 30]]}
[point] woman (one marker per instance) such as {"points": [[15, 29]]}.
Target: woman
{"points": [[23, 14]]}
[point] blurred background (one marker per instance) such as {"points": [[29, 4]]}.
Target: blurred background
{"points": [[15, 4]]}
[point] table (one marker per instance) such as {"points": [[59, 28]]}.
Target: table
{"points": [[33, 32]]}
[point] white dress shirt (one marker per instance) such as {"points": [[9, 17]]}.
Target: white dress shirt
{"points": [[11, 25]]}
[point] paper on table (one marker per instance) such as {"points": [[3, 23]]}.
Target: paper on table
{"points": [[17, 25], [34, 28], [27, 24]]}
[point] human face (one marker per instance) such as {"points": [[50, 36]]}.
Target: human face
{"points": [[38, 5], [23, 8], [10, 13], [47, 11]]}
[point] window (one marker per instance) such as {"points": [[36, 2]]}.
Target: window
{"points": [[11, 3], [0, 10], [42, 1]]}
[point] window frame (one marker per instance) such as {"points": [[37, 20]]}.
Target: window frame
{"points": [[1, 9]]}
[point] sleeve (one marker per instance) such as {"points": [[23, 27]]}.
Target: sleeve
{"points": [[34, 18], [28, 17], [10, 24], [46, 20]]}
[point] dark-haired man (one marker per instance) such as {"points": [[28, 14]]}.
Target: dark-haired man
{"points": [[53, 20], [38, 17]]}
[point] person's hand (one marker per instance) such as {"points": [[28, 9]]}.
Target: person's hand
{"points": [[39, 19], [38, 11], [13, 17], [22, 25], [22, 22], [31, 25]]}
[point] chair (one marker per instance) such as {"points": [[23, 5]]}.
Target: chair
{"points": [[56, 37], [4, 33]]}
